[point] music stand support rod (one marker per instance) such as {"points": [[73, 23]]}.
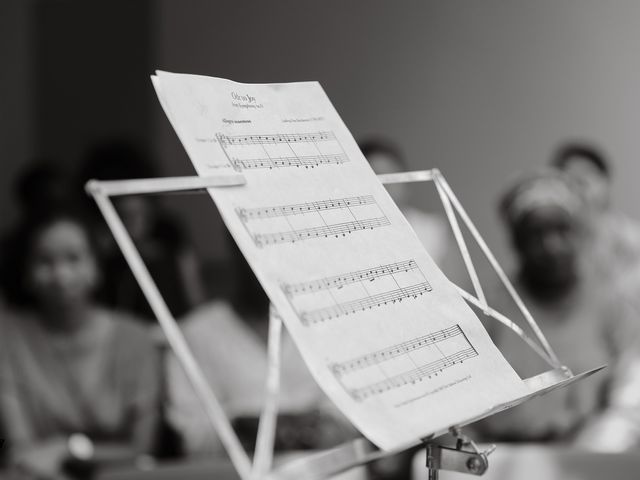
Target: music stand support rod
{"points": [[101, 192], [466, 457], [439, 457]]}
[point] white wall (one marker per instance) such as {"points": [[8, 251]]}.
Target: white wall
{"points": [[481, 90]]}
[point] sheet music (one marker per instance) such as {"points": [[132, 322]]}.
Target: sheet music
{"points": [[351, 292], [380, 327], [305, 149], [324, 218]]}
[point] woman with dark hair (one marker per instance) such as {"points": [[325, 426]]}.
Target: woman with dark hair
{"points": [[588, 321], [40, 188], [613, 237], [79, 384]]}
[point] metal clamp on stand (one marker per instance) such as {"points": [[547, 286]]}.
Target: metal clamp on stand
{"points": [[466, 457]]}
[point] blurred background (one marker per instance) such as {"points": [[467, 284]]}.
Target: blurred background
{"points": [[480, 91], [484, 91]]}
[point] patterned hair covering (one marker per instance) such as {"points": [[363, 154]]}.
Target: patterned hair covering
{"points": [[545, 188]]}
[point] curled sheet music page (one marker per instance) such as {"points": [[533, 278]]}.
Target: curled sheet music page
{"points": [[380, 327]]}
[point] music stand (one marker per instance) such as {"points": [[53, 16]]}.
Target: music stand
{"points": [[353, 453]]}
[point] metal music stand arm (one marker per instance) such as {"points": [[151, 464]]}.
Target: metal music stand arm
{"points": [[101, 191], [465, 457]]}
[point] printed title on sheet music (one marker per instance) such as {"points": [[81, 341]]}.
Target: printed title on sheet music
{"points": [[244, 101]]}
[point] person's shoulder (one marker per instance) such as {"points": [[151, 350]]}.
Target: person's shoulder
{"points": [[7, 323], [624, 228], [7, 317], [214, 314], [127, 327], [213, 323], [14, 320]]}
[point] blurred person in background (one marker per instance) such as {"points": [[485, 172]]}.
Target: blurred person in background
{"points": [[617, 428], [79, 384], [613, 238], [40, 188], [432, 230], [588, 322], [159, 237], [613, 246], [229, 341]]}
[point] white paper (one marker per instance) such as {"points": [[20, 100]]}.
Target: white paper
{"points": [[382, 330]]}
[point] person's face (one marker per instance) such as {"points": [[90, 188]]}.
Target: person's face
{"points": [[62, 267], [384, 163], [592, 185], [547, 242]]}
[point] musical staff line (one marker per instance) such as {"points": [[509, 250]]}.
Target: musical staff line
{"points": [[335, 230], [247, 214], [412, 376], [275, 138], [307, 161], [323, 299], [241, 152], [304, 221], [339, 281], [367, 303], [394, 351]]}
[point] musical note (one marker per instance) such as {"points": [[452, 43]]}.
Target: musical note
{"points": [[389, 353], [398, 281], [353, 219], [351, 277], [241, 157], [336, 230], [308, 161], [412, 376], [329, 313], [247, 214], [275, 138]]}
